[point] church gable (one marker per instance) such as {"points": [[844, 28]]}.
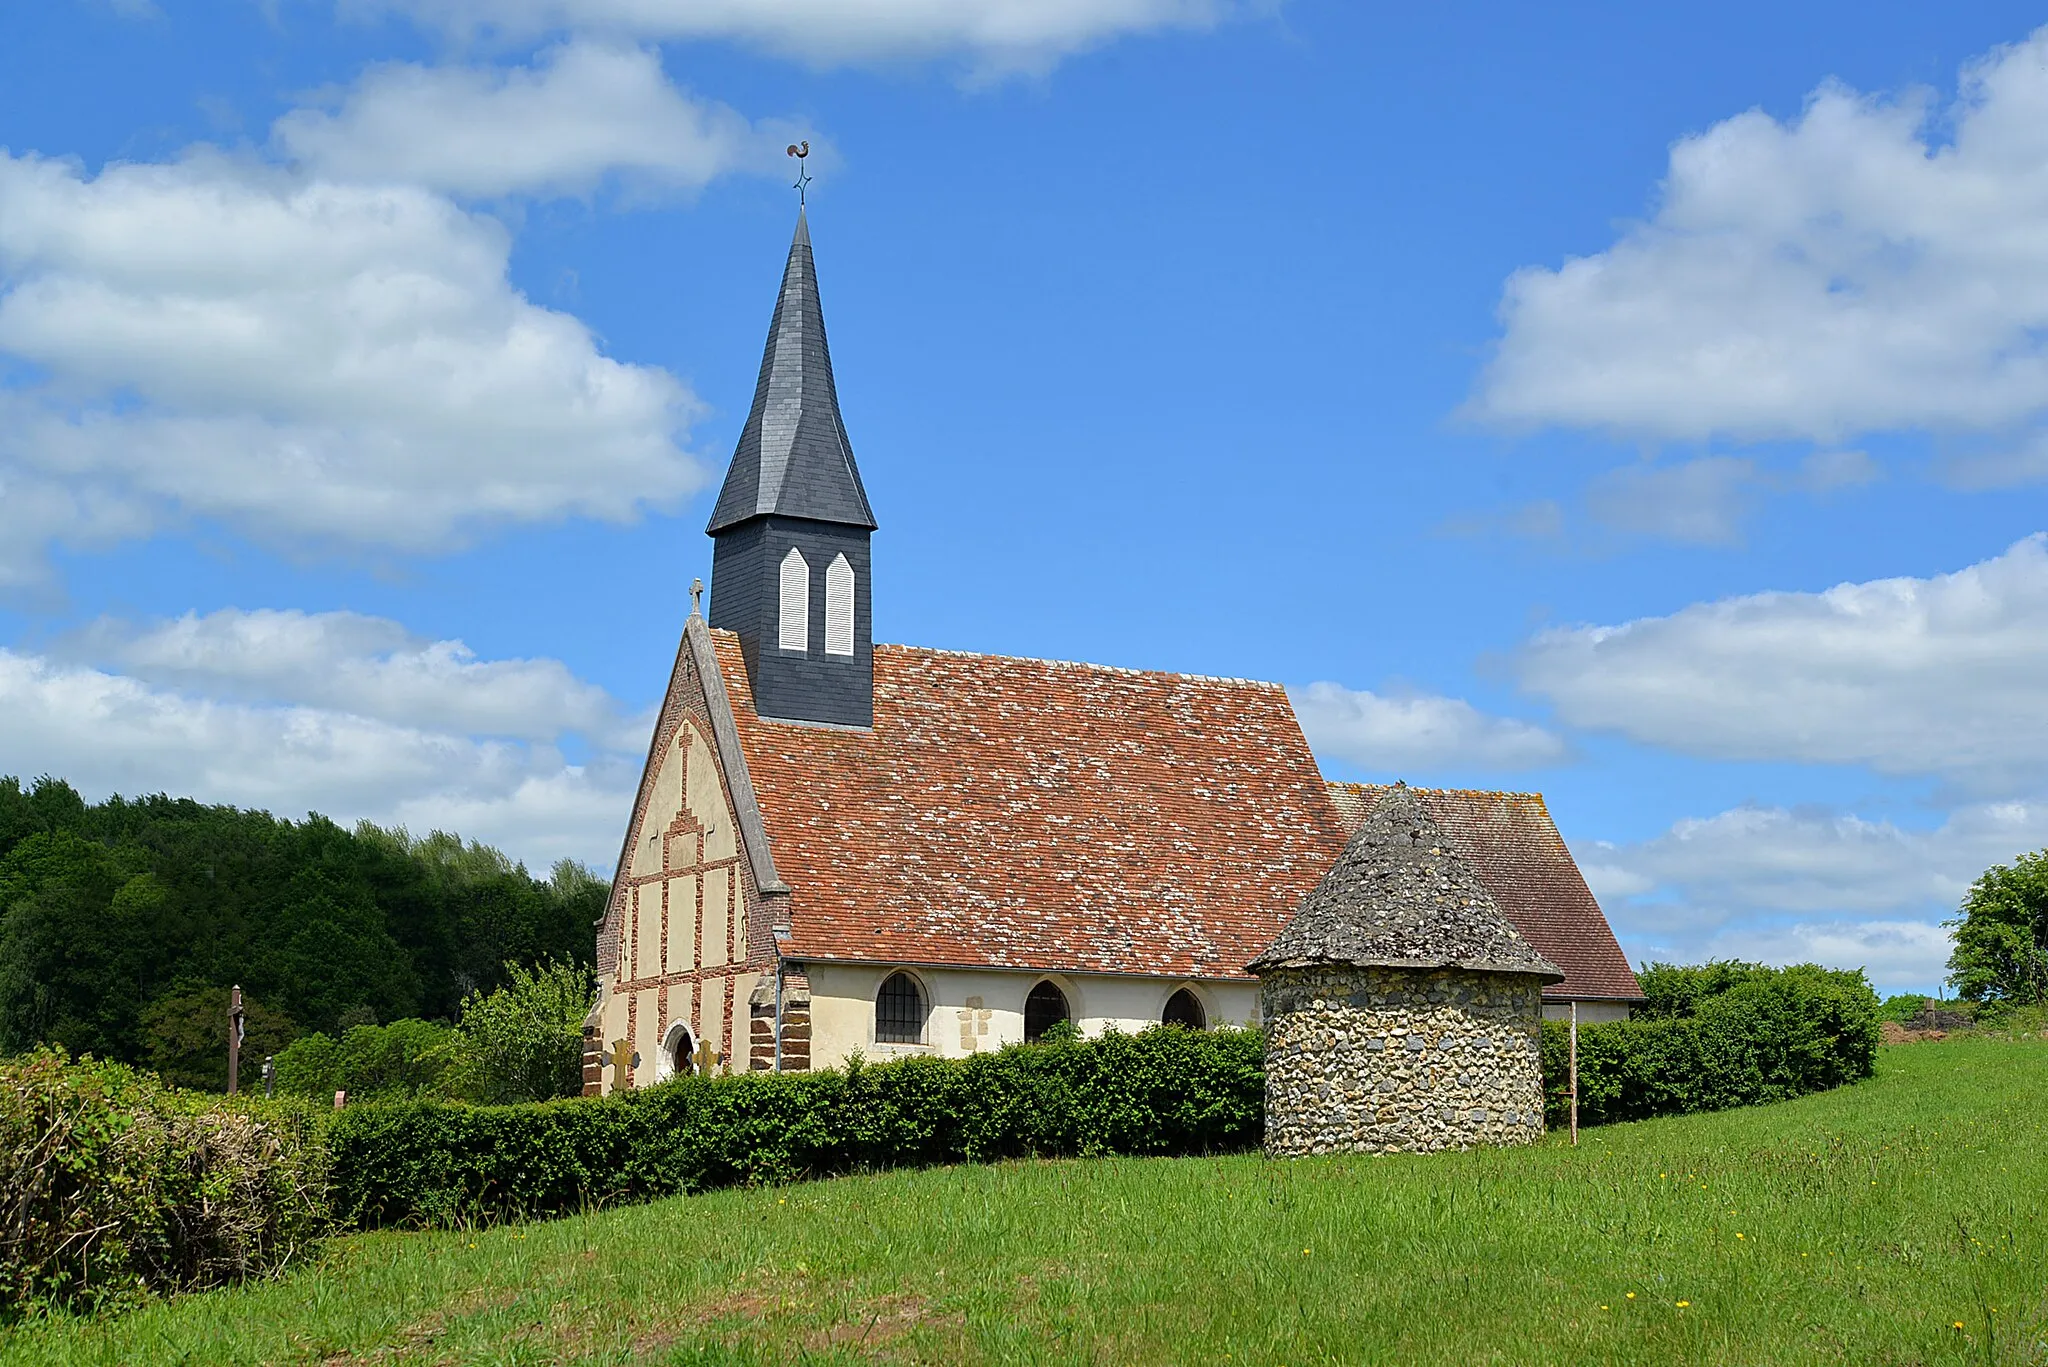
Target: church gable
{"points": [[684, 936]]}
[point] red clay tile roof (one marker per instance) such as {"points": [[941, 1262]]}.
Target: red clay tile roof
{"points": [[1511, 840], [1030, 814]]}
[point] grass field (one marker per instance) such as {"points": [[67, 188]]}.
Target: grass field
{"points": [[1901, 1221]]}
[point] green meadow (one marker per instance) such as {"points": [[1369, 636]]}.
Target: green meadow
{"points": [[1903, 1220]]}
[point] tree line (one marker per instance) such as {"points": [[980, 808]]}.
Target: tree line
{"points": [[124, 922]]}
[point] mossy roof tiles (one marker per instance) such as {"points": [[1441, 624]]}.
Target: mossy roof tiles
{"points": [[1400, 896]]}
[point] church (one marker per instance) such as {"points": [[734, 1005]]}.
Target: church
{"points": [[841, 848]]}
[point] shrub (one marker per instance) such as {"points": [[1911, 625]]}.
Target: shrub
{"points": [[1901, 1007], [1164, 1091], [113, 1186], [401, 1061], [1714, 1036], [524, 1042]]}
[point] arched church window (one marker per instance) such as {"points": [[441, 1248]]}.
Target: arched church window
{"points": [[795, 630], [839, 607], [899, 1011], [1043, 1009], [1184, 1008]]}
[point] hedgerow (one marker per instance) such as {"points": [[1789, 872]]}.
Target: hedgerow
{"points": [[1714, 1036], [114, 1187], [1163, 1091]]}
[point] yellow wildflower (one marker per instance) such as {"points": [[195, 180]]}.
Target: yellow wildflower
{"points": [[1683, 1304], [1631, 1295]]}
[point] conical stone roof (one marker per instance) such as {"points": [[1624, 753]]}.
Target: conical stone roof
{"points": [[1399, 897]]}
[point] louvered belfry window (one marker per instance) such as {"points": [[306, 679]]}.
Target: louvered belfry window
{"points": [[795, 631], [1043, 1009], [899, 1011], [839, 607]]}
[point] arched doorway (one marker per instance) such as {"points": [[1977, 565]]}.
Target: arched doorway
{"points": [[1184, 1009], [1043, 1009], [678, 1057]]}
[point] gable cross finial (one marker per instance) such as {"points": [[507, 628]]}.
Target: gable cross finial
{"points": [[696, 597], [800, 150]]}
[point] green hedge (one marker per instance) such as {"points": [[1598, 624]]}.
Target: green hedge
{"points": [[1163, 1091], [113, 1187], [1714, 1036]]}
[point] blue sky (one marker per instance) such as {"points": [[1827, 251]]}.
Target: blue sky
{"points": [[1641, 407]]}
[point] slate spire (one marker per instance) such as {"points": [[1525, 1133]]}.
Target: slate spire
{"points": [[793, 458], [1400, 897]]}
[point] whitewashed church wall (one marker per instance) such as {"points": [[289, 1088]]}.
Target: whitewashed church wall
{"points": [[646, 1035], [974, 1010], [1590, 1013]]}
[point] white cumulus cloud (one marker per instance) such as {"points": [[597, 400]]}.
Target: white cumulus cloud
{"points": [[997, 35], [1944, 676], [1786, 885], [404, 731], [584, 111], [301, 359], [1417, 733], [365, 666], [1872, 264]]}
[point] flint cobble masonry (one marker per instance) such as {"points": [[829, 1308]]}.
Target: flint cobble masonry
{"points": [[1380, 1060]]}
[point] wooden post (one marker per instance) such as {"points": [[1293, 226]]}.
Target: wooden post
{"points": [[234, 1037], [1575, 1074]]}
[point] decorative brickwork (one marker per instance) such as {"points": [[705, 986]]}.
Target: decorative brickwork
{"points": [[796, 1023], [1380, 1060]]}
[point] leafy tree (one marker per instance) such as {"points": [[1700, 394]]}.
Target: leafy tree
{"points": [[524, 1041], [108, 907], [2001, 953], [402, 1061], [75, 956], [185, 1038]]}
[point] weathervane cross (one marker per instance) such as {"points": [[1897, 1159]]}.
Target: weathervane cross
{"points": [[800, 150]]}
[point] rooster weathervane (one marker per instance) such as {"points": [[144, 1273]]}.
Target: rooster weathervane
{"points": [[800, 150]]}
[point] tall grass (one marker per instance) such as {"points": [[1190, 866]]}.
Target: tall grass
{"points": [[1862, 1226]]}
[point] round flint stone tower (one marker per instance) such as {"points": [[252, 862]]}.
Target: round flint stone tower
{"points": [[1401, 1008]]}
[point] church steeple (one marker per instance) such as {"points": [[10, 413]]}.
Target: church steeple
{"points": [[789, 570], [793, 459]]}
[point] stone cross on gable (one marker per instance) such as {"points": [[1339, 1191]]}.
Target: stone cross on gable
{"points": [[696, 597]]}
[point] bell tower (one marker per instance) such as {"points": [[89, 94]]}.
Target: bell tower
{"points": [[789, 564]]}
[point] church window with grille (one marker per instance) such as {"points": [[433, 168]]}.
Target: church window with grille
{"points": [[1184, 1008], [839, 607], [795, 629], [899, 1011], [1043, 1009]]}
